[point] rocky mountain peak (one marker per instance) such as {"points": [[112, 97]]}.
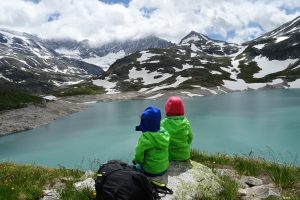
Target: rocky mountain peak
{"points": [[194, 36], [202, 43]]}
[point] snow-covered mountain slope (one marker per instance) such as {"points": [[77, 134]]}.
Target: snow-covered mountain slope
{"points": [[104, 55], [280, 44], [200, 42], [271, 60], [28, 64]]}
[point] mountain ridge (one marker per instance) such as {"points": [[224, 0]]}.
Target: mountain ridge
{"points": [[30, 63], [196, 62], [200, 62]]}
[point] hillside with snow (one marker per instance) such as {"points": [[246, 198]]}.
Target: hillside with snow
{"points": [[27, 64], [36, 65], [104, 55], [211, 66]]}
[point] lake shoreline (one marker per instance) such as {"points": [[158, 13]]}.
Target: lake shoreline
{"points": [[32, 116], [21, 119]]}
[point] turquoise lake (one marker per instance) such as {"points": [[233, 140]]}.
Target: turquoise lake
{"points": [[264, 122]]}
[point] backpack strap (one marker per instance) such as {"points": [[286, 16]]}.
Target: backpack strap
{"points": [[161, 188], [142, 180]]}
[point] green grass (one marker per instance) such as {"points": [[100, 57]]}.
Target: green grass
{"points": [[80, 90], [247, 72], [230, 190], [16, 99], [283, 175], [27, 181], [70, 193]]}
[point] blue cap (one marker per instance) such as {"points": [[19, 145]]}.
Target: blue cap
{"points": [[150, 120]]}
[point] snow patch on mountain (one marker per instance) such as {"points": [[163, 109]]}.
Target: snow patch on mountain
{"points": [[259, 46], [104, 83], [105, 61], [280, 39], [184, 67], [3, 77], [271, 66], [59, 83], [179, 80], [193, 55], [107, 85], [101, 61], [295, 84], [194, 48], [182, 51], [296, 67], [145, 56], [216, 72], [69, 70], [154, 61], [277, 81], [68, 52], [147, 76]]}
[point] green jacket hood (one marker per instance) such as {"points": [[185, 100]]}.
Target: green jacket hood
{"points": [[176, 123]]}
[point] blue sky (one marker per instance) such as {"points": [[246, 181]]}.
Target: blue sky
{"points": [[102, 21]]}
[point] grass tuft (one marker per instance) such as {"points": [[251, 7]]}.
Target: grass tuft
{"points": [[80, 90], [28, 181], [229, 192], [284, 176], [70, 193]]}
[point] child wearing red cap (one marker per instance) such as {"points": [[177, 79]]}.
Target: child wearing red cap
{"points": [[179, 130]]}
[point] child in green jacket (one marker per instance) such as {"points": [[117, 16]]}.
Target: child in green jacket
{"points": [[151, 154], [179, 129]]}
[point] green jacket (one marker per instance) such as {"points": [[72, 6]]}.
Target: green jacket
{"points": [[152, 151], [180, 137]]}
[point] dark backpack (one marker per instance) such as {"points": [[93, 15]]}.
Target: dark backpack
{"points": [[118, 181]]}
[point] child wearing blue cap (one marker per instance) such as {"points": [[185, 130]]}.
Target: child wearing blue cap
{"points": [[151, 153]]}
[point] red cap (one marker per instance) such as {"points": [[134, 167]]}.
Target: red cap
{"points": [[174, 106]]}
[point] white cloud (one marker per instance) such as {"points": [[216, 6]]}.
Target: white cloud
{"points": [[170, 19]]}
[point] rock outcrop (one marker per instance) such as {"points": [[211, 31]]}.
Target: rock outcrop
{"points": [[189, 180], [251, 188]]}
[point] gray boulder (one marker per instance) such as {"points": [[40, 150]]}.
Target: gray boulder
{"points": [[259, 192], [190, 180], [251, 181]]}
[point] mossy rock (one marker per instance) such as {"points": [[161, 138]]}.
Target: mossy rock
{"points": [[190, 180]]}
